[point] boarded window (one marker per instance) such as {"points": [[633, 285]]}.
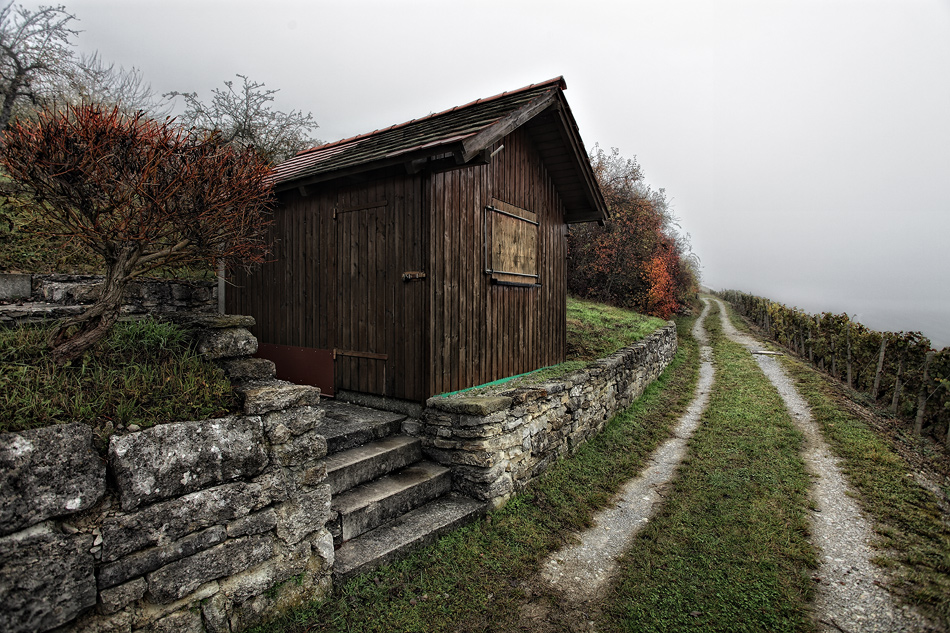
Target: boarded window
{"points": [[512, 244]]}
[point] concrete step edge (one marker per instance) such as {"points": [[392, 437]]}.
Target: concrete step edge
{"points": [[352, 467], [412, 530], [373, 503]]}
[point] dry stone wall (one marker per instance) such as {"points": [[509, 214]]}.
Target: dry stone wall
{"points": [[33, 297], [497, 444], [199, 526]]}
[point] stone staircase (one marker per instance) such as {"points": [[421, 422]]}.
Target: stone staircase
{"points": [[386, 497]]}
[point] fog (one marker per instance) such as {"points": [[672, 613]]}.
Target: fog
{"points": [[805, 145]]}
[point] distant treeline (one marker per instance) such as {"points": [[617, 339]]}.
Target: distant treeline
{"points": [[897, 370]]}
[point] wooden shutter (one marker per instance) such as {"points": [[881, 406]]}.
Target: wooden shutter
{"points": [[512, 256]]}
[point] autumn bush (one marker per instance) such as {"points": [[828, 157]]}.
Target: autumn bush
{"points": [[638, 259]]}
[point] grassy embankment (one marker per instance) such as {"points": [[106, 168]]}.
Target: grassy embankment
{"points": [[729, 550], [476, 578], [25, 248], [913, 532], [144, 373]]}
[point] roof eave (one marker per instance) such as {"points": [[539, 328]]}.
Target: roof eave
{"points": [[407, 159], [595, 197], [507, 124]]}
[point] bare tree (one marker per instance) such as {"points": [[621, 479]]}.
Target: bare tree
{"points": [[34, 52], [244, 117], [93, 81]]}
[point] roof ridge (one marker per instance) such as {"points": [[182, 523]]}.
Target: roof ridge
{"points": [[559, 81]]}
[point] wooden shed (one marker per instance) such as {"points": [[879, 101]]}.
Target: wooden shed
{"points": [[429, 256]]}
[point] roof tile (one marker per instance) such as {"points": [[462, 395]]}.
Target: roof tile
{"points": [[434, 130]]}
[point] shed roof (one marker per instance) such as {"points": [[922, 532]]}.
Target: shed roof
{"points": [[464, 135]]}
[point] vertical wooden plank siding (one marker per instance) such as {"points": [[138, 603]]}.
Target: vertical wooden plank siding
{"points": [[480, 331], [337, 283]]}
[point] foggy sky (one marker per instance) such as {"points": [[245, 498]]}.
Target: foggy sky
{"points": [[805, 144]]}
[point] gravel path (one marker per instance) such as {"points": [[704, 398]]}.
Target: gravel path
{"points": [[850, 594], [582, 572]]}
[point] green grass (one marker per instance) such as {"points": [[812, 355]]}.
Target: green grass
{"points": [[476, 578], [729, 550], [596, 330], [24, 250], [144, 373], [914, 534]]}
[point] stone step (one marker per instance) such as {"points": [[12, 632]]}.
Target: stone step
{"points": [[369, 505], [354, 466], [409, 531], [263, 396], [349, 425]]}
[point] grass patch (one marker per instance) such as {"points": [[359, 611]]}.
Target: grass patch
{"points": [[914, 534], [729, 551], [24, 248], [145, 372], [476, 578], [596, 330]]}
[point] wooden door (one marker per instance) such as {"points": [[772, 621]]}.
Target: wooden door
{"points": [[381, 291]]}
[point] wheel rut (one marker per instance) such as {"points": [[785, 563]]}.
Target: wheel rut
{"points": [[581, 573], [850, 593]]}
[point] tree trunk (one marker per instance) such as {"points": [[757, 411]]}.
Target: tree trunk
{"points": [[880, 370], [94, 324], [9, 98], [895, 401], [922, 396]]}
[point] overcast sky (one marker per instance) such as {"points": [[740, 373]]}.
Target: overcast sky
{"points": [[805, 144]]}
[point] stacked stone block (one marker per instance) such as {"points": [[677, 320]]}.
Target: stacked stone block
{"points": [[37, 297], [208, 525], [496, 445]]}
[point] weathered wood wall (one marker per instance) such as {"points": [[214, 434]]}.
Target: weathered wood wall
{"points": [[481, 331], [336, 283]]}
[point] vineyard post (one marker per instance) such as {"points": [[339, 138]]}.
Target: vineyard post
{"points": [[880, 369], [897, 384], [849, 352], [922, 396], [834, 358]]}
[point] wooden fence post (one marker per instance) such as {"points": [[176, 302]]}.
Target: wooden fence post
{"points": [[922, 395], [834, 358]]}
